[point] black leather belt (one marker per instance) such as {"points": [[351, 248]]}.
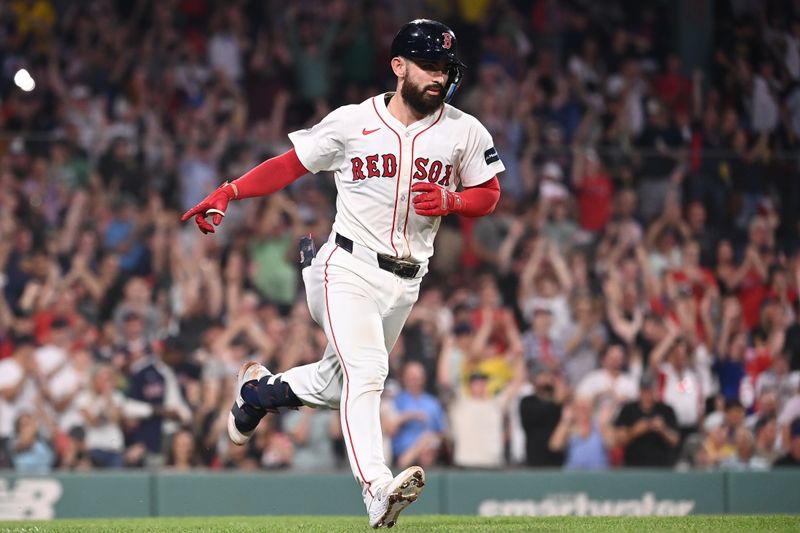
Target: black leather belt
{"points": [[398, 267]]}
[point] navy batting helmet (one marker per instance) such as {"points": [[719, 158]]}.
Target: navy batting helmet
{"points": [[432, 40]]}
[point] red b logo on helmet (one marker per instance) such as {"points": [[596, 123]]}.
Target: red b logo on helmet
{"points": [[447, 40]]}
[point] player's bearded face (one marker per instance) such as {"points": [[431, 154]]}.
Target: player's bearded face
{"points": [[424, 98]]}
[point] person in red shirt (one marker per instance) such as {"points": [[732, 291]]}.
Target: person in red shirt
{"points": [[752, 289], [696, 282], [594, 191], [691, 277], [780, 289], [672, 87]]}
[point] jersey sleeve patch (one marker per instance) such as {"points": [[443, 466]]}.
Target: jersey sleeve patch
{"points": [[491, 156]]}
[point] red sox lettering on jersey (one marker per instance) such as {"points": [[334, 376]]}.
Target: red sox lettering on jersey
{"points": [[376, 160], [424, 168]]}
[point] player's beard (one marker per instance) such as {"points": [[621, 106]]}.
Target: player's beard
{"points": [[419, 100]]}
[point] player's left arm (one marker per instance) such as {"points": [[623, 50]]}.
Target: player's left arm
{"points": [[435, 201], [477, 168]]}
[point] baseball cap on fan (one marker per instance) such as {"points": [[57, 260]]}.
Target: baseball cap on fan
{"points": [[649, 380]]}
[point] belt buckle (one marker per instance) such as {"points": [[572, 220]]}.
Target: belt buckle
{"points": [[405, 270], [414, 271], [398, 267]]}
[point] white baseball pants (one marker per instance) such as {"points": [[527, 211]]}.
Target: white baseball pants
{"points": [[362, 310]]}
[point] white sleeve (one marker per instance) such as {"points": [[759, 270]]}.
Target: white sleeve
{"points": [[322, 146], [83, 400], [631, 390], [136, 409], [10, 374], [587, 386], [480, 161]]}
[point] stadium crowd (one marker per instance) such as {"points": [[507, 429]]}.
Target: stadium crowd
{"points": [[633, 301]]}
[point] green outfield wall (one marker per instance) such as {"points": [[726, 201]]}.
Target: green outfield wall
{"points": [[502, 493]]}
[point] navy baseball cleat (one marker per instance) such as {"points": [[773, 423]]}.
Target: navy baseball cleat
{"points": [[244, 417]]}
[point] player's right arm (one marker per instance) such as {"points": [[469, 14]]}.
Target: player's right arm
{"points": [[315, 149], [270, 176]]}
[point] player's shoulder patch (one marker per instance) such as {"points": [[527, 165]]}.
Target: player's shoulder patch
{"points": [[491, 156]]}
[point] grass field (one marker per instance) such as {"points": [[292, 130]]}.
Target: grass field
{"points": [[334, 524]]}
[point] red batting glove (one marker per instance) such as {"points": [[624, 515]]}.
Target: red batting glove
{"points": [[434, 201], [215, 205]]}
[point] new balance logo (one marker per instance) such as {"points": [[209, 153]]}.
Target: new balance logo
{"points": [[365, 131], [30, 498]]}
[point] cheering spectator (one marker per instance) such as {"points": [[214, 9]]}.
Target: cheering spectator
{"points": [[594, 191], [766, 406], [457, 357], [476, 420], [71, 450], [789, 412], [272, 249], [766, 437], [751, 288], [586, 337], [716, 447], [791, 459], [540, 413], [101, 407], [182, 455], [17, 390], [681, 387], [540, 346], [609, 381], [661, 142], [647, 428], [64, 387], [744, 458], [496, 360], [154, 383], [732, 346], [583, 437], [137, 320], [701, 232], [778, 379], [544, 284], [420, 420], [624, 309], [30, 452], [503, 334]]}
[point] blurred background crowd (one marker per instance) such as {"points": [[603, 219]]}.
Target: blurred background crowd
{"points": [[633, 301]]}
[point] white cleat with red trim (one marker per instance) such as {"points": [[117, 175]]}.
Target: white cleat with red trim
{"points": [[389, 501]]}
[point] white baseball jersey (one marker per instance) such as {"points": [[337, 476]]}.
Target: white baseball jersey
{"points": [[376, 160]]}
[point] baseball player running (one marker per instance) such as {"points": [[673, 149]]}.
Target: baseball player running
{"points": [[397, 159]]}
